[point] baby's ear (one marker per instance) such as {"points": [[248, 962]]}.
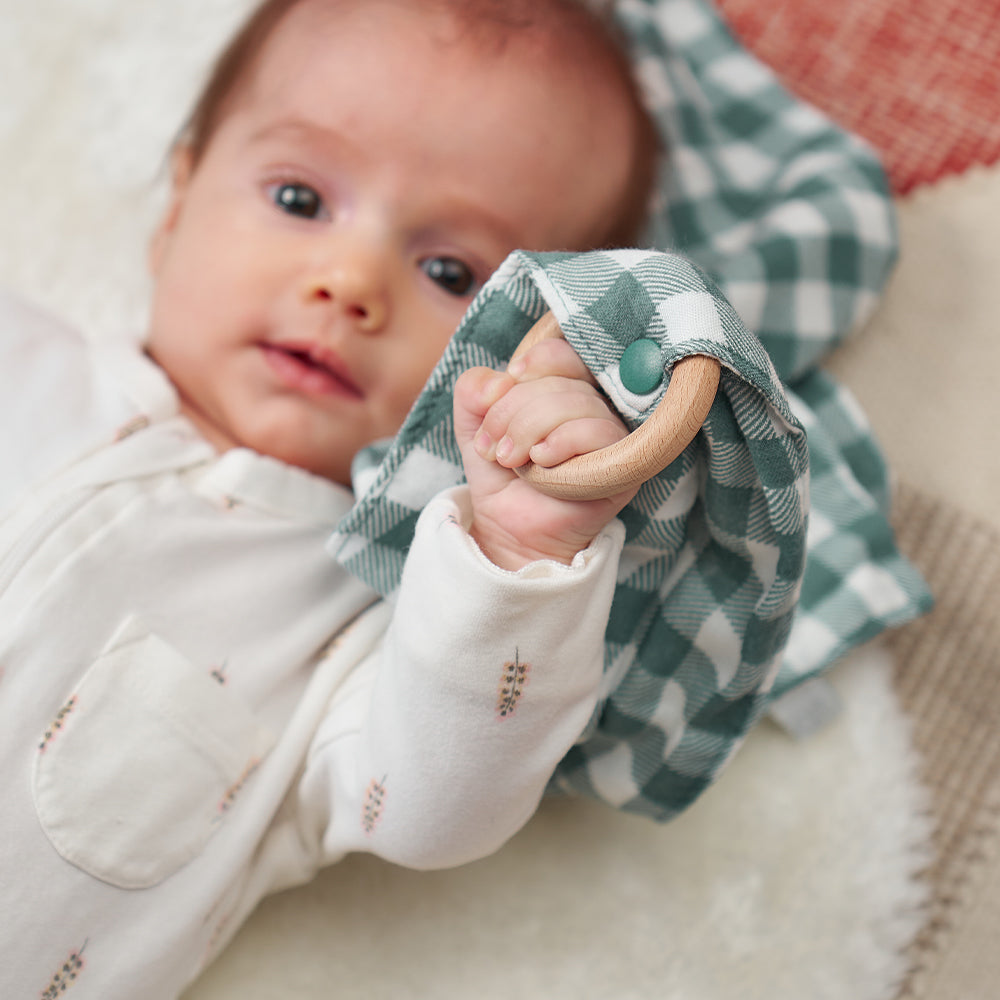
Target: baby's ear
{"points": [[181, 169]]}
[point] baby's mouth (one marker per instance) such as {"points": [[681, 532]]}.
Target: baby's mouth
{"points": [[311, 369]]}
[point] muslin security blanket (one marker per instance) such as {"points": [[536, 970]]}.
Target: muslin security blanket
{"points": [[763, 552]]}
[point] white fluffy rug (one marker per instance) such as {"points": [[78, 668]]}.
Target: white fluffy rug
{"points": [[793, 878]]}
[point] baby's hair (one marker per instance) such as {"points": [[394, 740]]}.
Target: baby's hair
{"points": [[576, 26]]}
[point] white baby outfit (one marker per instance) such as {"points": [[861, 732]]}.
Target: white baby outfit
{"points": [[199, 706]]}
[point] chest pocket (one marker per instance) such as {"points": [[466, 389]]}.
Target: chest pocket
{"points": [[144, 762]]}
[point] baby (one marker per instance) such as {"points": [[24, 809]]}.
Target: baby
{"points": [[377, 167], [197, 704]]}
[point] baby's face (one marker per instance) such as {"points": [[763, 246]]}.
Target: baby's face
{"points": [[314, 263]]}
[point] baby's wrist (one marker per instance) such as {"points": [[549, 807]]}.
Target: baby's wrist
{"points": [[510, 553]]}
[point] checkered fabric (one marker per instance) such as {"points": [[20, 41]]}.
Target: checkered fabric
{"points": [[788, 212], [727, 595]]}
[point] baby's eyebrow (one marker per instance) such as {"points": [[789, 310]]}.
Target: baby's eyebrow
{"points": [[458, 215], [301, 131]]}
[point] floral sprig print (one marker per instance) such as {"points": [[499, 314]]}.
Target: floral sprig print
{"points": [[220, 929], [371, 808], [66, 976], [227, 800], [57, 724], [512, 683], [134, 425]]}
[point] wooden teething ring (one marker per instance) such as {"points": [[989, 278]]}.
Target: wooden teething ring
{"points": [[648, 450]]}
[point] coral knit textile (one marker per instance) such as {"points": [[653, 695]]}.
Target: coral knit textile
{"points": [[920, 81]]}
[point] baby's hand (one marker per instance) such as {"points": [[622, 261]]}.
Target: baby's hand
{"points": [[546, 409]]}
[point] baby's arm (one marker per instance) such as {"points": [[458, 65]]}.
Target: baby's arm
{"points": [[545, 408], [440, 744]]}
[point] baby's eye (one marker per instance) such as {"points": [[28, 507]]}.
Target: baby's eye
{"points": [[451, 274], [298, 199]]}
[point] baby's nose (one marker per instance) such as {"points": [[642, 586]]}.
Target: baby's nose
{"points": [[355, 284]]}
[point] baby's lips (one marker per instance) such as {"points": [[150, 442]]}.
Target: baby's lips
{"points": [[307, 367]]}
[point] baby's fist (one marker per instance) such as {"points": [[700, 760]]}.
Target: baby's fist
{"points": [[544, 409]]}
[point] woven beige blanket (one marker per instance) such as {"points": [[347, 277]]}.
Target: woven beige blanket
{"points": [[948, 678]]}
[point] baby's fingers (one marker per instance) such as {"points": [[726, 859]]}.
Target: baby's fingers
{"points": [[550, 357], [577, 437], [476, 390], [532, 412]]}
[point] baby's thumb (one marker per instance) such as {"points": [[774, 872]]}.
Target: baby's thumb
{"points": [[476, 390]]}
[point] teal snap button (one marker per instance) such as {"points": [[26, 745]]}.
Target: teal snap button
{"points": [[641, 366]]}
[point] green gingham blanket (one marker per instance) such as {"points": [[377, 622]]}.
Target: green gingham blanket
{"points": [[763, 552]]}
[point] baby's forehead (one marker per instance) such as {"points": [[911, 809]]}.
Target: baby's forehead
{"points": [[357, 36], [570, 56], [559, 32]]}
